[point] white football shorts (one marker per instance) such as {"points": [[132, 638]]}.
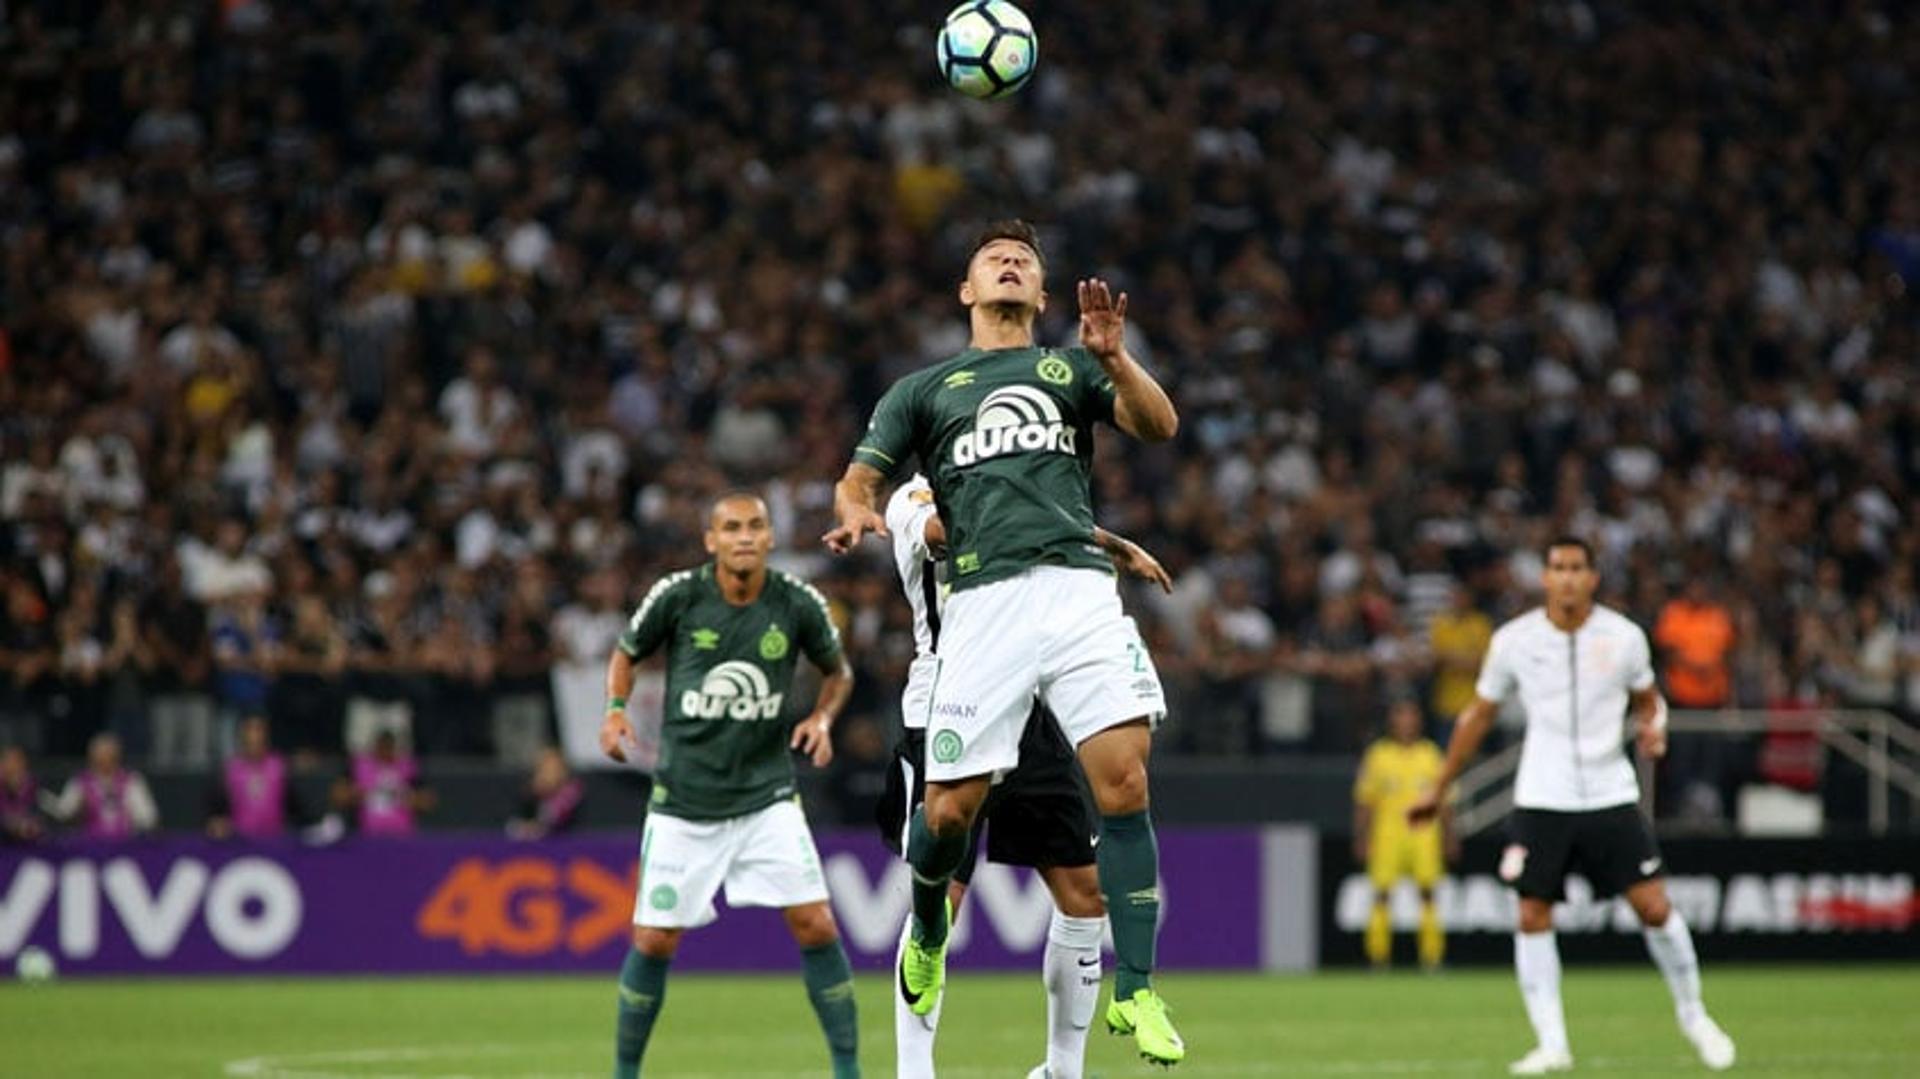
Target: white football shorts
{"points": [[1053, 632], [765, 859]]}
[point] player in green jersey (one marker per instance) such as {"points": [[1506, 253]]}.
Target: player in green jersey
{"points": [[724, 807], [1004, 431]]}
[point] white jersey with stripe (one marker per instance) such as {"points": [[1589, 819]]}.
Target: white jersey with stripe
{"points": [[1575, 689], [922, 579]]}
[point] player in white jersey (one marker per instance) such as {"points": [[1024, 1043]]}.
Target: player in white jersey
{"points": [[1036, 816], [1580, 669]]}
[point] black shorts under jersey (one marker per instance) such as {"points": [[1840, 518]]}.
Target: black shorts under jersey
{"points": [[1613, 848], [1036, 816]]}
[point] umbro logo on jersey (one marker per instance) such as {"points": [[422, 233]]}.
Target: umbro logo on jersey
{"points": [[1014, 419], [706, 640], [958, 379]]}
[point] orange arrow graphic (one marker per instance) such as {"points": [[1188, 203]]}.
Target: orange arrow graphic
{"points": [[612, 899]]}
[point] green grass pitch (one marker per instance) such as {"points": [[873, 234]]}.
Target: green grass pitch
{"points": [[1798, 1021]]}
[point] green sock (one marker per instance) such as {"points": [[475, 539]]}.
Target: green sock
{"points": [[643, 989], [934, 859], [830, 988], [1130, 882]]}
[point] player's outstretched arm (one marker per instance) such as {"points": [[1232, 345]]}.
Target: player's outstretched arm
{"points": [[1130, 557], [1140, 407], [814, 734], [615, 734], [1468, 732], [856, 499]]}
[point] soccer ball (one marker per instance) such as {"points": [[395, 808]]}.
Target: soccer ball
{"points": [[33, 965], [987, 48]]}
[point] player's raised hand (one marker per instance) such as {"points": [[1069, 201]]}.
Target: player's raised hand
{"points": [[855, 523], [615, 734], [814, 737], [1103, 319]]}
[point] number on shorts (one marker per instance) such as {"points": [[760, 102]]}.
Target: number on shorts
{"points": [[1139, 655]]}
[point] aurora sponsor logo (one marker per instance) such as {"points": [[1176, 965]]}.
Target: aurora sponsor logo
{"points": [[1014, 419], [733, 690]]}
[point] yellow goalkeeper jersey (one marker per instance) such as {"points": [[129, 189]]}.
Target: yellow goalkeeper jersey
{"points": [[1394, 775]]}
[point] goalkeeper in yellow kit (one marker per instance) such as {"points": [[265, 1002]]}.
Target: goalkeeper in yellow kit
{"points": [[1395, 773]]}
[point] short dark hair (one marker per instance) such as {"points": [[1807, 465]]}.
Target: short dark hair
{"points": [[1011, 228], [1567, 539], [736, 494]]}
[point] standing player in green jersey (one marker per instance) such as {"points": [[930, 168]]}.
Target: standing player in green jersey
{"points": [[724, 806], [1004, 431]]}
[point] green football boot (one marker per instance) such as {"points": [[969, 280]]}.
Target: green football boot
{"points": [[1145, 1017], [923, 970]]}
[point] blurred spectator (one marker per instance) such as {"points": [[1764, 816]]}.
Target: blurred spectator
{"points": [[1334, 653], [20, 817], [255, 798], [1695, 636], [858, 774], [522, 722], [383, 789], [226, 569], [379, 686], [1871, 671], [246, 654], [1237, 641], [77, 709], [1696, 639], [28, 654], [1457, 638], [180, 709], [309, 668], [551, 801], [1419, 309], [127, 666], [105, 800]]}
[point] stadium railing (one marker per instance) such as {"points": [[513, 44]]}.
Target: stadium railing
{"points": [[1886, 749]]}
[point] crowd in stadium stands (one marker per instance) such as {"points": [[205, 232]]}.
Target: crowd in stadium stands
{"points": [[362, 361]]}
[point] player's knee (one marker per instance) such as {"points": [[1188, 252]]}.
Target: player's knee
{"points": [[1535, 916], [812, 925], [655, 943], [1078, 895], [948, 816], [1121, 788], [1654, 910]]}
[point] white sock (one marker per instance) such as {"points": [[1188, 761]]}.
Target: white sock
{"points": [[1536, 958], [1671, 946], [912, 1034], [1072, 972]]}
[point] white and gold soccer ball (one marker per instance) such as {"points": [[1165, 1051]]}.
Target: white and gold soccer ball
{"points": [[33, 965], [987, 49]]}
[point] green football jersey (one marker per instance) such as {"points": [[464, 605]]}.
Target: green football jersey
{"points": [[1006, 438], [723, 747]]}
